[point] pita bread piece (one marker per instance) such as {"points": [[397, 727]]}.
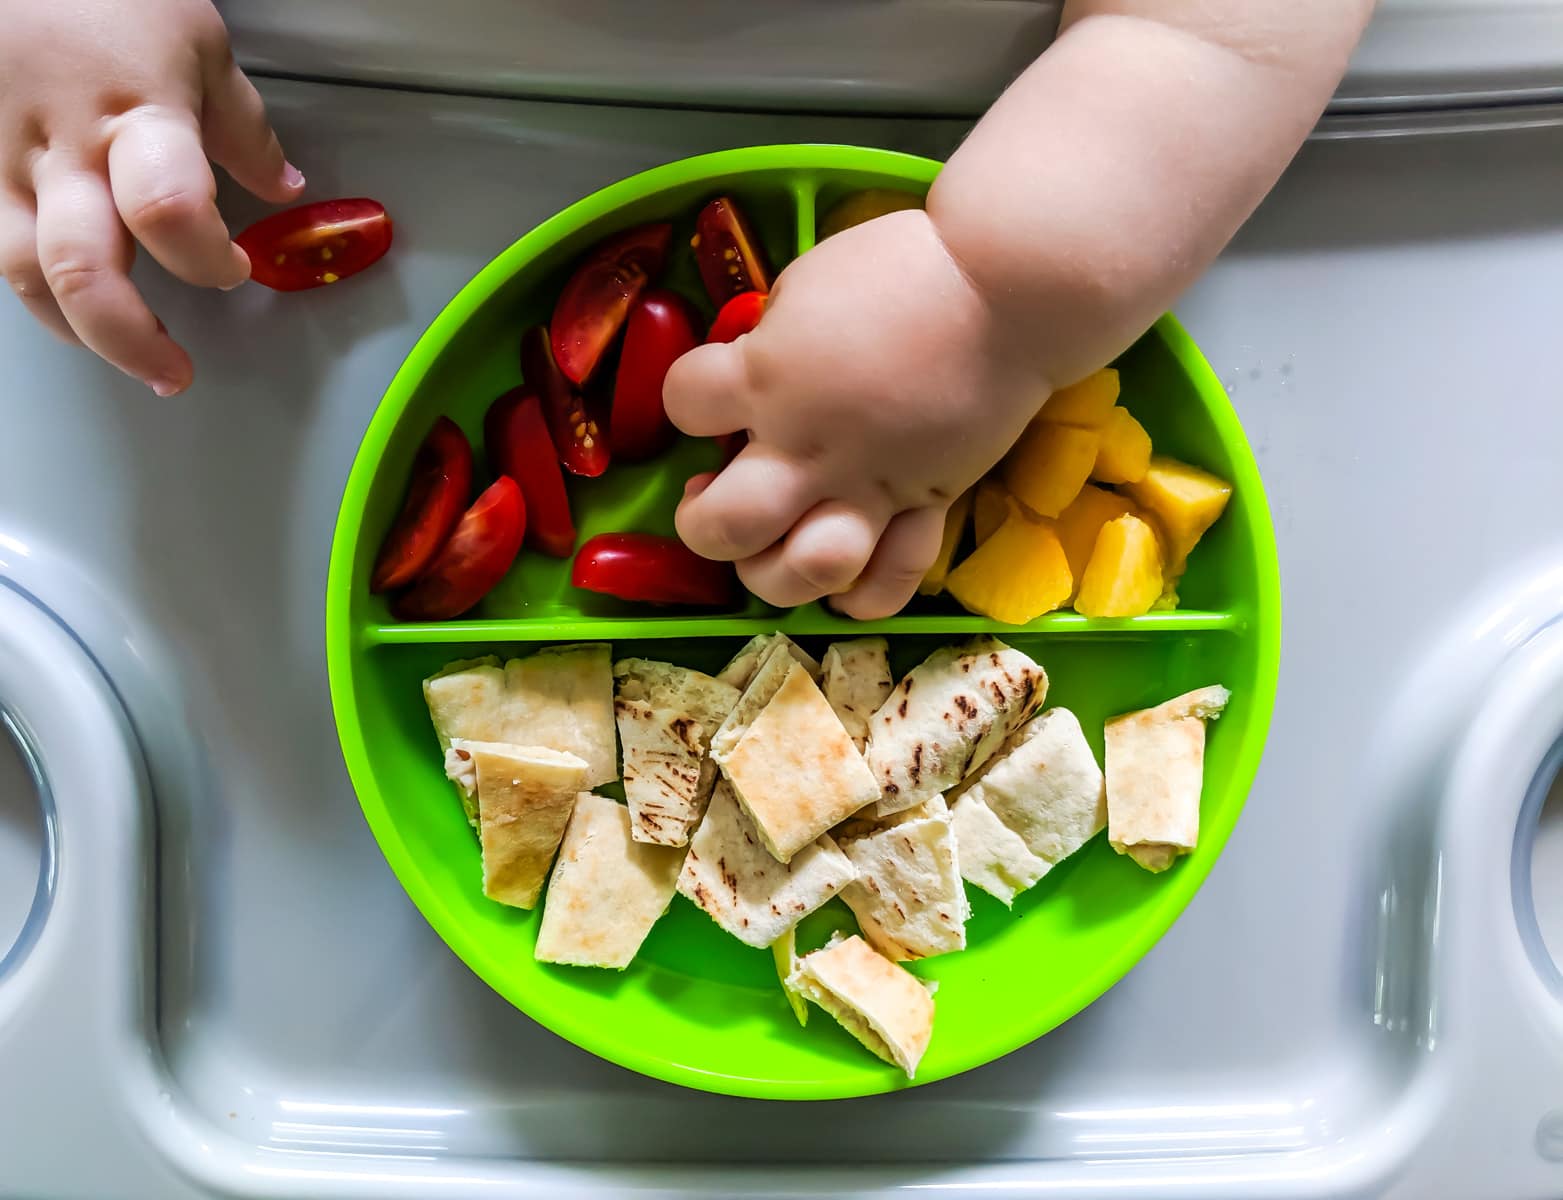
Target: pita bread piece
{"points": [[666, 717], [1044, 785], [865, 823], [733, 878], [560, 698], [606, 891], [785, 951], [525, 795], [908, 897], [991, 854], [746, 662], [795, 771], [884, 1006], [1155, 774], [946, 718], [764, 684], [855, 677]]}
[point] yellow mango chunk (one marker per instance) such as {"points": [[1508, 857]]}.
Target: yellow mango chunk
{"points": [[1016, 575], [1049, 465], [954, 527], [1123, 578], [1079, 524], [1125, 451], [1184, 500], [1086, 403], [991, 506], [865, 206]]}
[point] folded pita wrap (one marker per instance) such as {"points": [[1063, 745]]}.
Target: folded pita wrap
{"points": [[855, 677], [795, 770], [992, 855], [946, 718], [740, 670], [736, 881], [560, 698], [666, 718], [1045, 786], [1155, 774], [525, 795], [908, 897], [884, 1006], [867, 821], [606, 891]]}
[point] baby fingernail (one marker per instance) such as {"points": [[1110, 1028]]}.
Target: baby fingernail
{"points": [[164, 388], [292, 176]]}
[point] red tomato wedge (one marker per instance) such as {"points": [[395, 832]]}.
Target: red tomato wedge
{"points": [[737, 317], [481, 548], [652, 570], [592, 308], [730, 256], [515, 437], [662, 328], [572, 424], [440, 488], [316, 244]]}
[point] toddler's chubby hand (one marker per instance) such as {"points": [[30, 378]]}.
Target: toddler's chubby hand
{"points": [[877, 388], [108, 112]]}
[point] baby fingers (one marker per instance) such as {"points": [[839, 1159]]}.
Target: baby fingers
{"points": [[825, 553], [905, 552]]}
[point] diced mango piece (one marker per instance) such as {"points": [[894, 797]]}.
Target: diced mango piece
{"points": [[1016, 575], [1184, 500], [1086, 403], [865, 206], [991, 506], [1125, 451], [1049, 465], [1124, 575], [954, 527], [1079, 524]]}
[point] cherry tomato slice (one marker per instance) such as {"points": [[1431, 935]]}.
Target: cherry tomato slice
{"points": [[515, 437], [738, 316], [480, 550], [730, 256], [316, 244], [573, 423], [440, 488], [592, 308], [652, 570], [661, 329]]}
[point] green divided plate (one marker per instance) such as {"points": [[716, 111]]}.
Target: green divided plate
{"points": [[697, 1007]]}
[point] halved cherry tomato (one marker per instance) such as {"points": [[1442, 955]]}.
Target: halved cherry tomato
{"points": [[730, 257], [594, 304], [440, 488], [652, 570], [661, 329], [515, 437], [737, 317], [575, 429], [316, 244], [481, 548]]}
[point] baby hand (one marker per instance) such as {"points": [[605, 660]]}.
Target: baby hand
{"points": [[108, 111], [878, 387]]}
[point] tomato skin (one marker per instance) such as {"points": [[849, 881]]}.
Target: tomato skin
{"points": [[480, 550], [437, 495], [730, 256], [650, 569], [573, 422], [595, 302], [515, 438], [662, 328], [737, 317], [316, 245]]}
